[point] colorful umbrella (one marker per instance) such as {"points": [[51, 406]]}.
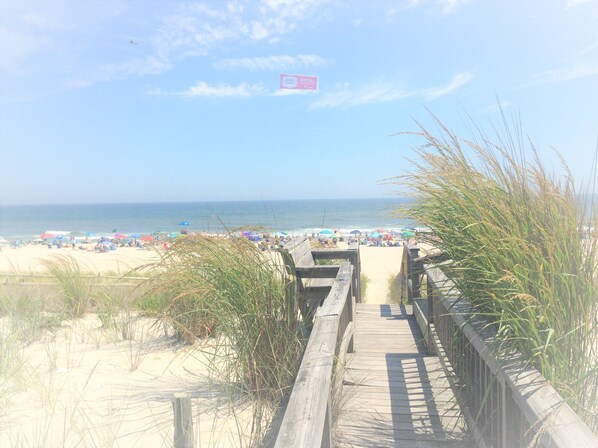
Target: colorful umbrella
{"points": [[183, 223], [147, 238]]}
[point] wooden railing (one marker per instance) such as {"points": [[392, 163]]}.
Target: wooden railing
{"points": [[308, 420], [351, 254], [507, 403]]}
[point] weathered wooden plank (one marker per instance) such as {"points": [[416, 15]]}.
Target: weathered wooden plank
{"points": [[304, 419], [354, 441], [337, 298], [390, 375], [323, 271]]}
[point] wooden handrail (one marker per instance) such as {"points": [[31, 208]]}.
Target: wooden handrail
{"points": [[518, 406], [307, 421]]}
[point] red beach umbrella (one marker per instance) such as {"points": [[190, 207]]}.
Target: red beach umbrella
{"points": [[147, 238]]}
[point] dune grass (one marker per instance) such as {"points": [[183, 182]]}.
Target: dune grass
{"points": [[75, 287], [228, 288], [512, 230]]}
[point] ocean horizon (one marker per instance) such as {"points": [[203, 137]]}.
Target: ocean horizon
{"points": [[296, 216]]}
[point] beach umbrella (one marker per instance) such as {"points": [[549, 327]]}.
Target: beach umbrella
{"points": [[119, 236], [46, 235], [147, 238], [326, 232], [407, 234], [374, 235], [135, 235], [355, 232], [183, 223]]}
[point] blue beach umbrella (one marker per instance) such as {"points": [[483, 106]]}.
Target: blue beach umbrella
{"points": [[326, 232], [355, 232], [135, 235], [183, 223], [374, 235]]}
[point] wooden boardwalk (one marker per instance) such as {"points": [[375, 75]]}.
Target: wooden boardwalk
{"points": [[394, 394]]}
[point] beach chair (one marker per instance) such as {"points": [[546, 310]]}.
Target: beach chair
{"points": [[315, 281]]}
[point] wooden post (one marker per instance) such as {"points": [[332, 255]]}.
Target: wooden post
{"points": [[183, 421], [414, 272], [430, 294]]}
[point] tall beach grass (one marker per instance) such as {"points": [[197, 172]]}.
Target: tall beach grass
{"points": [[512, 231], [244, 298]]}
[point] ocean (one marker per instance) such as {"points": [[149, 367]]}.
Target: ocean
{"points": [[293, 216]]}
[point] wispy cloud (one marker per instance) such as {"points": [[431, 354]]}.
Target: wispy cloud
{"points": [[448, 6], [496, 107], [195, 28], [458, 81], [271, 62], [445, 6], [588, 49], [380, 92], [243, 90], [567, 74]]}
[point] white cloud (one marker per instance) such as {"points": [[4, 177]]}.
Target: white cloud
{"points": [[448, 6], [588, 49], [567, 74], [496, 107], [458, 81], [271, 62], [287, 92], [243, 90], [195, 28], [380, 92]]}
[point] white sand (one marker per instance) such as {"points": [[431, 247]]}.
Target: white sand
{"points": [[379, 264], [121, 260], [84, 386]]}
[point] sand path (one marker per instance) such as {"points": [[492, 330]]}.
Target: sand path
{"points": [[379, 264]]}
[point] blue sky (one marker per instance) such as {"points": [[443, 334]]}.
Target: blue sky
{"points": [[150, 101]]}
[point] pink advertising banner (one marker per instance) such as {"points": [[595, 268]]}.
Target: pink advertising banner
{"points": [[298, 82]]}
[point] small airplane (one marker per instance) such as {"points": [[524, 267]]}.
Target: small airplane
{"points": [[133, 42]]}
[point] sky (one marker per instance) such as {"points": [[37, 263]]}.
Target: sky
{"points": [[166, 101]]}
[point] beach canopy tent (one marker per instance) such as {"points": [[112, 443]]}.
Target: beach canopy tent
{"points": [[251, 236]]}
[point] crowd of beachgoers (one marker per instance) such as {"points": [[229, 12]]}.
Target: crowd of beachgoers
{"points": [[265, 240]]}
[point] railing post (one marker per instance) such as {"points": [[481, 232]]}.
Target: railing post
{"points": [[183, 421], [414, 272], [430, 296]]}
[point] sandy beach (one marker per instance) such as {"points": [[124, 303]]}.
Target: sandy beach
{"points": [[29, 259], [84, 385]]}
